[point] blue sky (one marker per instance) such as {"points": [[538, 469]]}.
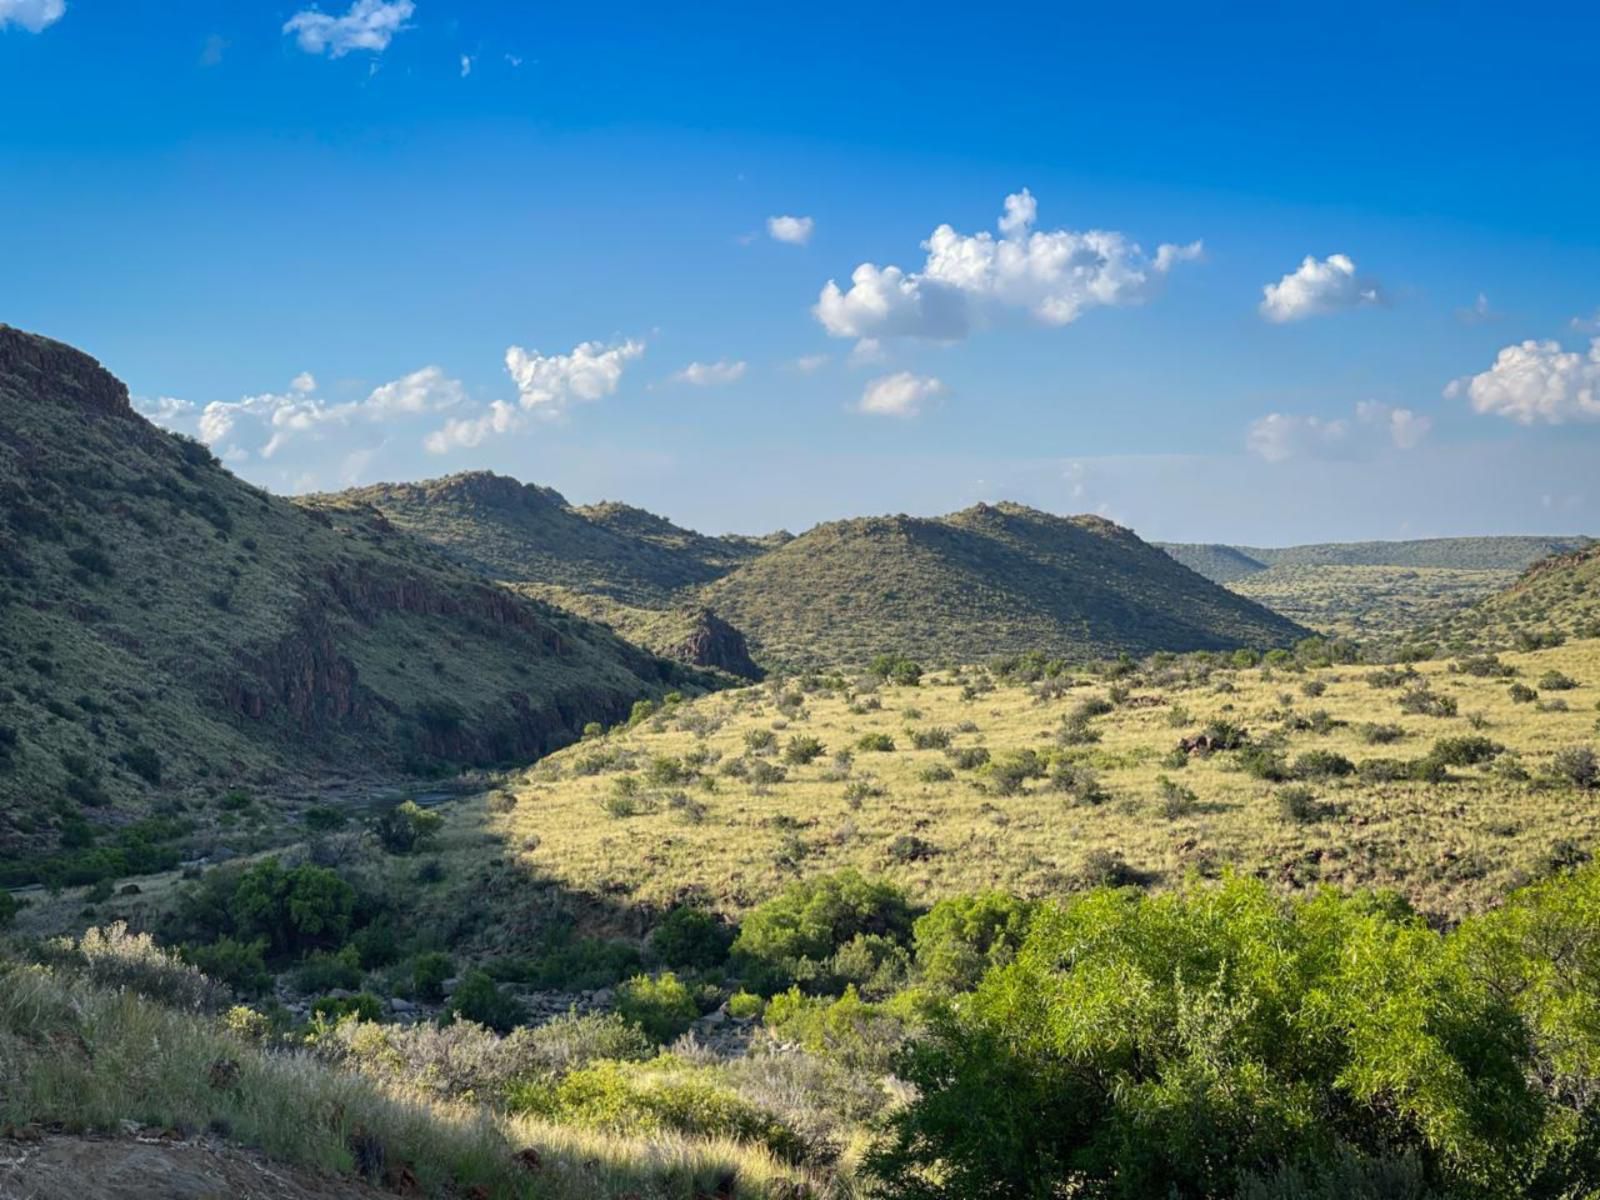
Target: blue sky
{"points": [[400, 238]]}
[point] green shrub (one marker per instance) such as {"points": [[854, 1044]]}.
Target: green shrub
{"points": [[1173, 800], [1298, 805], [935, 773], [407, 827], [1260, 763], [660, 1005], [1381, 735], [363, 1006], [1422, 702], [326, 972], [428, 973], [1521, 693], [934, 738], [1578, 765], [792, 937], [305, 908], [1555, 681], [855, 1033], [969, 758], [875, 743], [691, 937], [665, 1096], [895, 668], [745, 1006], [801, 750], [1464, 751], [1322, 764], [478, 998], [961, 937], [144, 762]]}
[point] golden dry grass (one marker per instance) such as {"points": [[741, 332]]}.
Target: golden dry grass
{"points": [[1452, 848]]}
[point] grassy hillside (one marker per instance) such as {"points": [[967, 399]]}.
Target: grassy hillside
{"points": [[708, 801], [1218, 563], [523, 533], [1558, 596], [173, 631], [989, 580]]}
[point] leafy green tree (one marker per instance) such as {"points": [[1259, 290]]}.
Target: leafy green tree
{"points": [[792, 937], [292, 910], [407, 827], [1163, 1046], [961, 937]]}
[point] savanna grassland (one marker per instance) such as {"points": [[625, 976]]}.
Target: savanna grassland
{"points": [[727, 798]]}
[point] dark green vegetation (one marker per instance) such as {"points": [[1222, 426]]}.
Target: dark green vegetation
{"points": [[1223, 1042], [989, 580], [1373, 590], [1555, 598], [173, 632], [1226, 563]]}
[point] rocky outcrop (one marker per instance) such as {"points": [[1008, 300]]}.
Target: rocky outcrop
{"points": [[712, 642], [43, 367]]}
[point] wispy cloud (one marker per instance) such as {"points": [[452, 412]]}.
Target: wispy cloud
{"points": [[899, 395], [711, 374], [368, 25], [33, 15], [1278, 437]]}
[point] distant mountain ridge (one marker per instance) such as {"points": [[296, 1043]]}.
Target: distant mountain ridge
{"points": [[990, 580], [1372, 590], [1226, 563]]}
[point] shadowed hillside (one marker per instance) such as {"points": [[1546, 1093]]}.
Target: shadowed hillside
{"points": [[986, 581], [169, 627]]}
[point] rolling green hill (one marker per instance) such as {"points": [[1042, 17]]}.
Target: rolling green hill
{"points": [[989, 580], [1557, 595], [1458, 554], [1218, 563], [171, 630]]}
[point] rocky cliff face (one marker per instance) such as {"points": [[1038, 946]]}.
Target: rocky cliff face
{"points": [[712, 642]]}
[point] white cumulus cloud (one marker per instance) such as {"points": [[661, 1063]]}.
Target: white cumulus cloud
{"points": [[1055, 275], [1317, 287], [899, 395], [547, 383], [368, 25], [1534, 382], [794, 230], [1278, 437], [808, 364], [33, 15], [711, 374]]}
